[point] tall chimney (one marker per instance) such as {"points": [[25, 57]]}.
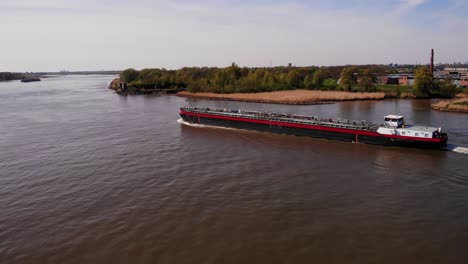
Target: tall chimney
{"points": [[432, 61]]}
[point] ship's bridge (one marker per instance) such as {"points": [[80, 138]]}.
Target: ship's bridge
{"points": [[397, 121]]}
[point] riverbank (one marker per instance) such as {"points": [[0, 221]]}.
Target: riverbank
{"points": [[124, 89], [11, 76], [456, 105], [295, 97]]}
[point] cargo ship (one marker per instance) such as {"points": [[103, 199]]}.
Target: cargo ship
{"points": [[393, 132]]}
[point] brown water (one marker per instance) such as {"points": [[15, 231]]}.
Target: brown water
{"points": [[87, 176]]}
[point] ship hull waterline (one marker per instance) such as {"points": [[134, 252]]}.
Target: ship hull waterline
{"points": [[347, 135]]}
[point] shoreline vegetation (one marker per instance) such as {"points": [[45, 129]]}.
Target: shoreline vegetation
{"points": [[11, 76], [36, 76], [287, 85], [295, 97], [235, 79], [23, 77], [460, 104]]}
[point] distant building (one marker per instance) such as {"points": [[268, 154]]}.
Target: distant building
{"points": [[459, 75], [463, 81], [393, 79], [406, 79], [455, 72], [396, 79], [382, 80]]}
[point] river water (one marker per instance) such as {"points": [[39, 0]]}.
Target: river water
{"points": [[87, 176]]}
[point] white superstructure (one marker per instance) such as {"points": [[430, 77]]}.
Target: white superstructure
{"points": [[394, 120], [395, 125]]}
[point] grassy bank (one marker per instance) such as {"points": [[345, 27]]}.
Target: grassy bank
{"points": [[288, 97], [456, 105], [396, 91]]}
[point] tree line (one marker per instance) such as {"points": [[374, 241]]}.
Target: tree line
{"points": [[235, 79], [8, 76]]}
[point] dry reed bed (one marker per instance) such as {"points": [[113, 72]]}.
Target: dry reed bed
{"points": [[288, 97], [115, 83], [456, 105]]}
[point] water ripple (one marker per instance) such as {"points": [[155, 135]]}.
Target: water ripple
{"points": [[87, 176]]}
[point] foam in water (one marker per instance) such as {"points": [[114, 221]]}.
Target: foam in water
{"points": [[181, 121], [458, 149]]}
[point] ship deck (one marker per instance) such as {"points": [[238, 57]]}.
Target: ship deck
{"points": [[421, 128], [289, 118]]}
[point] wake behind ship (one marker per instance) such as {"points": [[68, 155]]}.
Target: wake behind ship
{"points": [[394, 132]]}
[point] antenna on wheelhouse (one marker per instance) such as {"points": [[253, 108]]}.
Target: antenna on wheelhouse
{"points": [[189, 101]]}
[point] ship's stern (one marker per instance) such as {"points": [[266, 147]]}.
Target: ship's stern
{"points": [[443, 139]]}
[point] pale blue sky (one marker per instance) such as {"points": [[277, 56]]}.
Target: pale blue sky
{"points": [[50, 35]]}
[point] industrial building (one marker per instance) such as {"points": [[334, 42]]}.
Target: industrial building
{"points": [[459, 76]]}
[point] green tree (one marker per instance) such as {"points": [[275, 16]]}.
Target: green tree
{"points": [[320, 76], [294, 79], [218, 81], [129, 75], [447, 88], [330, 84], [233, 73], [347, 78], [309, 82], [271, 81], [423, 82], [194, 86], [234, 78], [366, 80]]}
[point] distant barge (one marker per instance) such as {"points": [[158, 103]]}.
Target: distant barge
{"points": [[394, 132]]}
